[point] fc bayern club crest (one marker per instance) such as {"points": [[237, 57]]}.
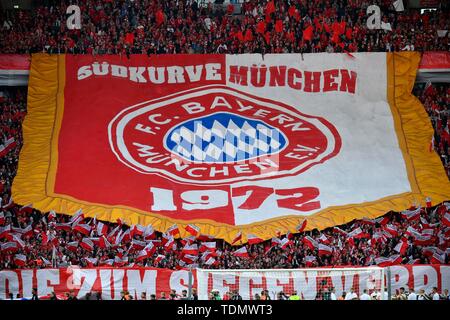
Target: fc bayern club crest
{"points": [[217, 135]]}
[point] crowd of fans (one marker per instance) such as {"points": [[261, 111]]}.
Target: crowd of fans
{"points": [[187, 26], [33, 239], [436, 100]]}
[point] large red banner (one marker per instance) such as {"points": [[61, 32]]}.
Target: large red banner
{"points": [[111, 281]]}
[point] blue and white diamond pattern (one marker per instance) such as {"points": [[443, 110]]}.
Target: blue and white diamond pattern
{"points": [[224, 137]]}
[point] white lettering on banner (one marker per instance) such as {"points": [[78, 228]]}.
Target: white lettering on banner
{"points": [[399, 277], [175, 74], [278, 283], [179, 280], [193, 107], [424, 277], [27, 282], [155, 281], [46, 280], [194, 72], [119, 71], [251, 284], [445, 277], [162, 200], [10, 280], [222, 282], [137, 285], [342, 80], [84, 279], [342, 285], [305, 284], [105, 281], [154, 75]]}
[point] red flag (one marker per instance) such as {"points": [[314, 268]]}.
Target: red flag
{"points": [[137, 245], [210, 261], [9, 247], [143, 254], [104, 243], [323, 238], [367, 221], [192, 229], [159, 258], [324, 250], [301, 226], [187, 240], [83, 229], [190, 249], [275, 242], [358, 234], [77, 217], [386, 262], [205, 238], [108, 262], [285, 243], [137, 230], [308, 33], [87, 244], [261, 27], [391, 229], [253, 239], [270, 7], [72, 246], [173, 230], [169, 246], [20, 260], [102, 229], [279, 26], [126, 236], [349, 33], [339, 230], [437, 258], [149, 233], [51, 215], [189, 259], [6, 147], [160, 17], [310, 242], [428, 202], [446, 219], [26, 209], [237, 237], [411, 214], [309, 260], [91, 261], [208, 246], [401, 246], [242, 252]]}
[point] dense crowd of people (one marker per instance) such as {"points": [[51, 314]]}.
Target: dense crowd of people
{"points": [[436, 100], [187, 26], [33, 239]]}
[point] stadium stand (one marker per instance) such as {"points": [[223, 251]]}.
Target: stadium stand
{"points": [[33, 239]]}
